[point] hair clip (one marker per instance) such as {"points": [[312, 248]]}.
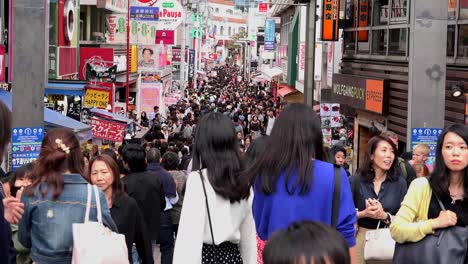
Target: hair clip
{"points": [[62, 146]]}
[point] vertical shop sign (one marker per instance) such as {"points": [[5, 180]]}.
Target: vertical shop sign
{"points": [[363, 16], [302, 59], [466, 109], [270, 34], [2, 63], [191, 61], [330, 20], [263, 7]]}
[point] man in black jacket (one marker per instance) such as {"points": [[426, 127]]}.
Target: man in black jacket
{"points": [[145, 188]]}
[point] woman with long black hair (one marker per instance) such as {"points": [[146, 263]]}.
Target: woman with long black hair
{"points": [[292, 183], [420, 213], [216, 175]]}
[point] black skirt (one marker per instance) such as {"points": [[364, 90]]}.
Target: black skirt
{"points": [[225, 253]]}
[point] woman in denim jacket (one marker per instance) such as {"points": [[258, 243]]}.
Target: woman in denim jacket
{"points": [[56, 199]]}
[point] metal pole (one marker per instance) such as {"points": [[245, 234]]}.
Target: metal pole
{"points": [[182, 51], [196, 53], [30, 31], [127, 75], [310, 55]]}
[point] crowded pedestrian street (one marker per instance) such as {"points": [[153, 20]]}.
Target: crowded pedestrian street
{"points": [[233, 132]]}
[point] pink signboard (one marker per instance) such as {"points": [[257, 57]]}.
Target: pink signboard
{"points": [[166, 36], [150, 96], [104, 129]]}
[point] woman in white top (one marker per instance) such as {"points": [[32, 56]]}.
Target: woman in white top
{"points": [[216, 153]]}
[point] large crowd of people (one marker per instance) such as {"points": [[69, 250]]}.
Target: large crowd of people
{"points": [[231, 174]]}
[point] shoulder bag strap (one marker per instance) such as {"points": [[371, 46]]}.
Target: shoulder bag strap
{"points": [[336, 196], [208, 210], [88, 204], [98, 204]]}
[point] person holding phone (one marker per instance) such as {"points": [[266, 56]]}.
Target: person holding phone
{"points": [[377, 188]]}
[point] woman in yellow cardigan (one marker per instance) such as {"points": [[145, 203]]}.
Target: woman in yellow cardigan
{"points": [[420, 214]]}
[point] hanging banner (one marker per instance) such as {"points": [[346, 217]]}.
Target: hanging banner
{"points": [[96, 98], [109, 130], [170, 14], [191, 62], [150, 96], [330, 20], [302, 60], [269, 34], [2, 63]]}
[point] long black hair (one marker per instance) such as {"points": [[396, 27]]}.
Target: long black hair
{"points": [[303, 242], [439, 179], [296, 139], [366, 170], [217, 149]]}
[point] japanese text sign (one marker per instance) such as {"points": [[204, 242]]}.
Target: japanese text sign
{"points": [[144, 13], [330, 20], [363, 19], [25, 145], [96, 98], [103, 129]]}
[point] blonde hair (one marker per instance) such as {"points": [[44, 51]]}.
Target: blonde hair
{"points": [[421, 169], [423, 148]]}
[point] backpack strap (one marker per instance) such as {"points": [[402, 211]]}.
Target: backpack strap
{"points": [[402, 165], [336, 195]]}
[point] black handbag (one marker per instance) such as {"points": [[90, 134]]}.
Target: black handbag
{"points": [[448, 245]]}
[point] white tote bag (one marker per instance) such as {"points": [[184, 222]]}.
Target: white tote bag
{"points": [[379, 244], [93, 243]]}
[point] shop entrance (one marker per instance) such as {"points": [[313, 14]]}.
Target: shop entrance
{"points": [[364, 135]]}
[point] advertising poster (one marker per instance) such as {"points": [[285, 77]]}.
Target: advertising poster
{"points": [[108, 130], [150, 96], [74, 107], [165, 36], [191, 63], [147, 58], [141, 32], [25, 145], [428, 136]]}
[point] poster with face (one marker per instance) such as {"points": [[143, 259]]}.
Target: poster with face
{"points": [[147, 58]]}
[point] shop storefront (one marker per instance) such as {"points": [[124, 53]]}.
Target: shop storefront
{"points": [[370, 98]]}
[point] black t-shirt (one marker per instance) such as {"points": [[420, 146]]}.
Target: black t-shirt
{"points": [[459, 207]]}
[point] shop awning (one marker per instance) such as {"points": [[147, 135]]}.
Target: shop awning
{"points": [[51, 118], [121, 80], [286, 90], [70, 88], [104, 113], [261, 78], [271, 72]]}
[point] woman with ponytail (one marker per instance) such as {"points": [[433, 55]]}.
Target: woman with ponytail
{"points": [[56, 199]]}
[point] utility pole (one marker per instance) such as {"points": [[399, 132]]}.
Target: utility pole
{"points": [[310, 54], [30, 60], [182, 49]]}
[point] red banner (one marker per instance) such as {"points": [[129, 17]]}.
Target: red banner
{"points": [[103, 129], [263, 7], [165, 36], [2, 63]]}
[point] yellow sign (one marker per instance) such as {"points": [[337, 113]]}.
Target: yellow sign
{"points": [[96, 98], [55, 97]]}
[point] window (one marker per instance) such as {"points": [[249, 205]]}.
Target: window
{"points": [[463, 41], [221, 31], [215, 29], [229, 12], [229, 31], [463, 9], [217, 10], [376, 27]]}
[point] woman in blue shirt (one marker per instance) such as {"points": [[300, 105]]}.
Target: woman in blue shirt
{"points": [[378, 189], [291, 183]]}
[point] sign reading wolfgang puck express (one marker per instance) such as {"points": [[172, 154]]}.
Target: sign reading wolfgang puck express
{"points": [[361, 93]]}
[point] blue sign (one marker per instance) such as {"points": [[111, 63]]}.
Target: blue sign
{"points": [[25, 145], [270, 34], [144, 13], [428, 136]]}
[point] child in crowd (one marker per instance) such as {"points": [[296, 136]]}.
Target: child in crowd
{"points": [[420, 154], [302, 243]]}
